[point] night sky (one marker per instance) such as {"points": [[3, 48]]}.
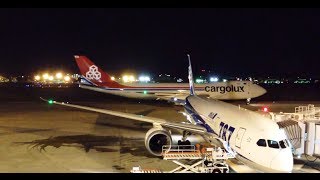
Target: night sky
{"points": [[231, 42]]}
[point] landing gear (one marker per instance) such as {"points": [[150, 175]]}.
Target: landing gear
{"points": [[184, 143], [248, 101], [187, 142], [185, 135], [216, 171]]}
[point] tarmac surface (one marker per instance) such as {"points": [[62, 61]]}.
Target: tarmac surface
{"points": [[38, 137]]}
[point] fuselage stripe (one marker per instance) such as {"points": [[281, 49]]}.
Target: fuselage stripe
{"points": [[196, 116]]}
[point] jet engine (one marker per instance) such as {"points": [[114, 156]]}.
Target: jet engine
{"points": [[156, 138]]}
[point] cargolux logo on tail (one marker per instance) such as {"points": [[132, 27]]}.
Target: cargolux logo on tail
{"points": [[93, 73]]}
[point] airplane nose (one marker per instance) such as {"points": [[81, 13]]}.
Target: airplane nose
{"points": [[262, 90], [259, 91], [283, 162]]}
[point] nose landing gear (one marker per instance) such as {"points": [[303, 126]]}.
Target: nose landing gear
{"points": [[248, 101]]}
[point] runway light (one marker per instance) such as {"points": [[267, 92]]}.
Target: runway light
{"points": [[199, 80], [50, 101], [265, 109], [214, 79], [131, 78], [45, 76], [125, 78], [50, 78], [112, 78], [37, 77], [59, 75], [128, 78], [67, 78], [144, 78]]}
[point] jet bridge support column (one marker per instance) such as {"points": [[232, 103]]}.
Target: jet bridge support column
{"points": [[317, 141], [309, 150], [313, 139]]}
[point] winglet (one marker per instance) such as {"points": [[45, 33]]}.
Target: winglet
{"points": [[190, 77]]}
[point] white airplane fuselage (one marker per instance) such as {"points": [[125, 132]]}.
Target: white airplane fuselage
{"points": [[242, 129], [94, 78], [232, 90]]}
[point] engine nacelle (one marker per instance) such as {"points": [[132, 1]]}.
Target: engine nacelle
{"points": [[155, 139]]}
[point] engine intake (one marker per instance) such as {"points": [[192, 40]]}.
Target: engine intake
{"points": [[155, 139]]}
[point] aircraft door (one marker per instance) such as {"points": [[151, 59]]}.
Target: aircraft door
{"points": [[248, 88], [239, 137]]}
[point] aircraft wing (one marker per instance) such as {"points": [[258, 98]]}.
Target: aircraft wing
{"points": [[167, 96], [157, 121]]}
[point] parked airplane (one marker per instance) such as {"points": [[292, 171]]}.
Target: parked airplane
{"points": [[94, 78], [256, 140]]}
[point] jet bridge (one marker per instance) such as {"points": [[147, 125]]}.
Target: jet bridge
{"points": [[302, 129]]}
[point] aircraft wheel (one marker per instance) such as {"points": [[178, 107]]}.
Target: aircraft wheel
{"points": [[187, 142], [216, 171], [248, 101]]}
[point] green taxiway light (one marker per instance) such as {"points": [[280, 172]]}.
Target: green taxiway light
{"points": [[144, 92], [50, 101]]}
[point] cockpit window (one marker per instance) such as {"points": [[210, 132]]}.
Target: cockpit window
{"points": [[262, 142], [273, 144], [283, 144]]}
